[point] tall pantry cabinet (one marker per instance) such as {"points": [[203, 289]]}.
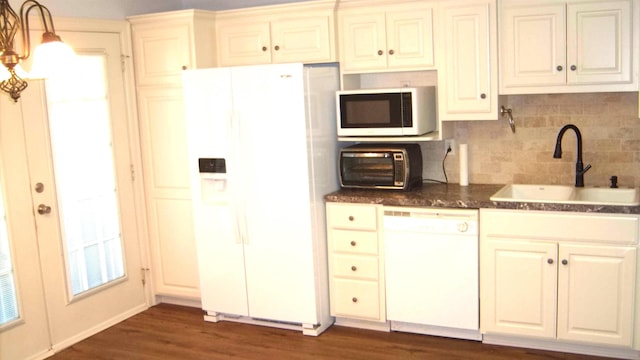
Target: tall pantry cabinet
{"points": [[164, 45]]}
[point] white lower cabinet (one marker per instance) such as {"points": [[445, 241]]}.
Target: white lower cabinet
{"points": [[356, 271], [562, 276]]}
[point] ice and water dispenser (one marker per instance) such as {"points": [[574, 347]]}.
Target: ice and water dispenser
{"points": [[213, 180]]}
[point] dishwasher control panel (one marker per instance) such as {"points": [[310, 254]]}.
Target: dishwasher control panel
{"points": [[430, 220]]}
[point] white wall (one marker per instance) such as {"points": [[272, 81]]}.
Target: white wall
{"points": [[119, 9], [230, 4]]}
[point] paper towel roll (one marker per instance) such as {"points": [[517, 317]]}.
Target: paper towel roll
{"points": [[464, 165]]}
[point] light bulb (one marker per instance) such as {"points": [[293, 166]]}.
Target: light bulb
{"points": [[52, 58]]}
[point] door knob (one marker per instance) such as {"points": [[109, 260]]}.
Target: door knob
{"points": [[44, 209]]}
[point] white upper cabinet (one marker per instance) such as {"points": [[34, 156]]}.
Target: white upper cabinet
{"points": [[554, 47], [165, 44], [468, 64], [277, 34], [386, 38]]}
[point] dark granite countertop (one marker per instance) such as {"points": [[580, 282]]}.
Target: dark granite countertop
{"points": [[474, 196]]}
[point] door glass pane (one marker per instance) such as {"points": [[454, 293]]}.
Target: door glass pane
{"points": [[8, 297], [81, 145]]}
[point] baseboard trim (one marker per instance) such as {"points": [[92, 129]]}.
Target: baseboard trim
{"points": [[55, 348], [554, 345], [364, 324], [436, 330], [196, 303]]}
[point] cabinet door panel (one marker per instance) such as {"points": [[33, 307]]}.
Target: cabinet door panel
{"points": [[244, 44], [599, 42], [533, 45], [167, 184], [596, 294], [410, 39], [519, 288], [301, 40], [468, 85], [161, 53], [363, 43]]}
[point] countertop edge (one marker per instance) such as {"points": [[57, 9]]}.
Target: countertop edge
{"points": [[474, 196]]}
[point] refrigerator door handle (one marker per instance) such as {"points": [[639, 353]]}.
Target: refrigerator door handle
{"points": [[240, 218]]}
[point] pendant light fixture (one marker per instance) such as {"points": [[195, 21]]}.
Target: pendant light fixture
{"points": [[13, 81]]}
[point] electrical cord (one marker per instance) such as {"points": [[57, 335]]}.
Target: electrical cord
{"points": [[446, 181]]}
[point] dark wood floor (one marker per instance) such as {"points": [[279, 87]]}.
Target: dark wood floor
{"points": [[176, 332]]}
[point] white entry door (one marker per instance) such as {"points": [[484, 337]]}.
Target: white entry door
{"points": [[82, 196], [24, 330]]}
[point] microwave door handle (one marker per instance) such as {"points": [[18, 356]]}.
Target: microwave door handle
{"points": [[366, 155]]}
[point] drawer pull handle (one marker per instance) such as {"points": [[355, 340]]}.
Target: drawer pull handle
{"points": [[353, 243], [549, 261], [351, 218], [355, 299], [353, 268]]}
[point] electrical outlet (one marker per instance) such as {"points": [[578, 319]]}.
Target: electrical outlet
{"points": [[450, 143]]}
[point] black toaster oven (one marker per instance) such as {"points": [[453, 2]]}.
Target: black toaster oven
{"points": [[396, 166]]}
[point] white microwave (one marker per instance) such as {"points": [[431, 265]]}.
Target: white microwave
{"points": [[386, 112]]}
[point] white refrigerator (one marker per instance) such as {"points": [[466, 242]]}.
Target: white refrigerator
{"points": [[262, 153]]}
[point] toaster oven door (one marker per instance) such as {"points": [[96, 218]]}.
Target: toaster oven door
{"points": [[367, 170]]}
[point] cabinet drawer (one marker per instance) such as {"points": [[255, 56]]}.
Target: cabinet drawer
{"points": [[355, 242], [355, 267], [356, 299], [352, 217]]}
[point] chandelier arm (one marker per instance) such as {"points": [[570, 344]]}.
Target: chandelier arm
{"points": [[8, 28], [25, 9]]}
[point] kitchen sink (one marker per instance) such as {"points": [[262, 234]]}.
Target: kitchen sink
{"points": [[565, 194]]}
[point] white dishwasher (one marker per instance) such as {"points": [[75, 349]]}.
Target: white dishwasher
{"points": [[431, 270]]}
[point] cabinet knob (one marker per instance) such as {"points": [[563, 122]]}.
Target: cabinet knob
{"points": [[559, 68], [391, 52], [277, 48], [573, 68], [264, 48], [564, 262], [354, 268], [549, 261], [483, 96], [351, 218], [353, 243], [184, 67], [380, 52], [354, 299]]}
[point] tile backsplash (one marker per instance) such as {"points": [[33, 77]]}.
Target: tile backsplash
{"points": [[610, 140]]}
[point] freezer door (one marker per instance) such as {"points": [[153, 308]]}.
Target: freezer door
{"points": [[210, 130]]}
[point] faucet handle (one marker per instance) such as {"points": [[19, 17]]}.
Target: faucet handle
{"points": [[585, 169]]}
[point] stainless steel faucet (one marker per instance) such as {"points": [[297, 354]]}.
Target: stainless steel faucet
{"points": [[557, 154]]}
